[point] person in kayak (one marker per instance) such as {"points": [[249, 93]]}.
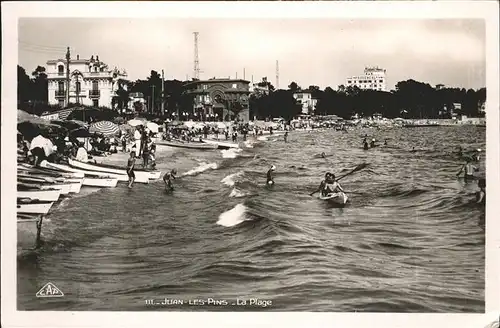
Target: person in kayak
{"points": [[372, 144], [322, 183], [331, 186], [130, 169], [270, 179], [167, 178], [481, 194], [468, 169]]}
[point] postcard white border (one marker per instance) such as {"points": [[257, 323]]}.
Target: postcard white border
{"points": [[487, 10]]}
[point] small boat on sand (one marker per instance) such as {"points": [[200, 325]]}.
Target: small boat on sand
{"points": [[42, 195], [141, 178], [65, 188], [100, 182], [221, 144], [190, 145], [153, 175], [29, 206]]}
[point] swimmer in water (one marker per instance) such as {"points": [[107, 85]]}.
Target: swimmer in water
{"points": [[270, 180], [167, 178], [130, 169], [469, 170], [481, 194], [385, 142]]}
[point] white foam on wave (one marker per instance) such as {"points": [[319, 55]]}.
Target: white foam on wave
{"points": [[262, 138], [234, 216], [201, 168], [230, 153], [249, 143], [235, 193], [230, 180]]}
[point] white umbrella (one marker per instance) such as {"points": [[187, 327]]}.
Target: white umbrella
{"points": [[135, 122], [153, 127]]}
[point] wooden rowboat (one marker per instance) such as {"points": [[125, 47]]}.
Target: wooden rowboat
{"points": [[42, 195], [189, 145], [95, 174], [100, 182], [153, 175], [26, 205]]}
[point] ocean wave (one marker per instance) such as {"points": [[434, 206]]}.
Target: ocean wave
{"points": [[230, 179], [262, 138], [249, 143], [235, 193], [230, 153], [234, 216], [201, 168]]}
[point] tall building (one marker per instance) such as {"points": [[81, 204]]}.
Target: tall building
{"points": [[219, 99], [91, 82], [373, 79]]}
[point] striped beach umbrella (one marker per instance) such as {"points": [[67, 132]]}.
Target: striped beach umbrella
{"points": [[105, 127]]}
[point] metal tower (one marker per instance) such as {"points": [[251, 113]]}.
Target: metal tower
{"points": [[277, 75], [196, 60]]}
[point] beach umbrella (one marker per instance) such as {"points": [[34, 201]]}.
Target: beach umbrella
{"points": [[70, 124], [119, 120], [135, 122], [23, 116], [153, 127], [106, 128], [80, 133]]}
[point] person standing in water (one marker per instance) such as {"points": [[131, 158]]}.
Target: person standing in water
{"points": [[270, 180], [469, 170], [167, 178], [286, 136], [481, 194], [365, 144], [130, 169]]}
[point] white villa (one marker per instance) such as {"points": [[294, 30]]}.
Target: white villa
{"points": [[307, 101], [91, 82]]}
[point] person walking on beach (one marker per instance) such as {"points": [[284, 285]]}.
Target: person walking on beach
{"points": [[469, 170], [167, 178], [145, 155], [137, 138], [130, 169]]}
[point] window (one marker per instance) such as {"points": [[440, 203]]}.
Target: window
{"points": [[60, 86], [299, 96], [95, 85], [380, 81], [60, 70], [349, 82], [95, 69], [205, 87], [95, 102], [78, 87], [235, 85], [61, 102]]}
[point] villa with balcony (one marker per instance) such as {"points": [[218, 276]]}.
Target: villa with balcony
{"points": [[91, 82]]}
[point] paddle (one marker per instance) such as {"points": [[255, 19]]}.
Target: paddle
{"points": [[356, 169]]}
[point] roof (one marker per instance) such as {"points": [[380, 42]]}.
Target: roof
{"points": [[71, 61], [216, 81]]}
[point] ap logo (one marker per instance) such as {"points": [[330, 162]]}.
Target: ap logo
{"points": [[49, 290]]}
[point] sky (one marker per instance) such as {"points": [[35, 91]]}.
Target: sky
{"points": [[322, 52]]}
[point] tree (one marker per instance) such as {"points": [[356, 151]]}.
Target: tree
{"points": [[24, 86], [40, 84], [293, 87], [267, 84]]}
